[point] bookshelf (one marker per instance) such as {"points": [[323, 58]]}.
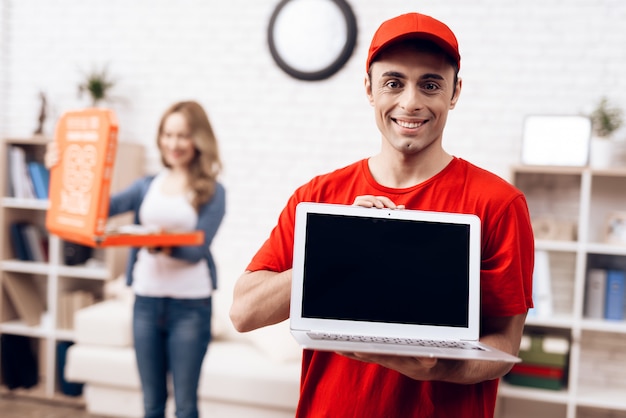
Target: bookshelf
{"points": [[570, 208], [34, 294]]}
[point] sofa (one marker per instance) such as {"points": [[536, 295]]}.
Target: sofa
{"points": [[251, 375]]}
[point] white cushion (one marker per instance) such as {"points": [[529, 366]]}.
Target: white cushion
{"points": [[113, 402], [212, 408], [107, 323], [112, 366], [123, 403], [232, 371], [276, 342], [238, 372]]}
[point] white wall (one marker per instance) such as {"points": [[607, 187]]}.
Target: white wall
{"points": [[518, 58]]}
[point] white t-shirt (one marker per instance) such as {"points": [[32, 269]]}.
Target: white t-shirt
{"points": [[157, 274]]}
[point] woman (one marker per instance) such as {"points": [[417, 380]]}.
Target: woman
{"points": [[173, 285]]}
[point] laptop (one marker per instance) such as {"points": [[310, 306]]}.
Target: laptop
{"points": [[400, 282]]}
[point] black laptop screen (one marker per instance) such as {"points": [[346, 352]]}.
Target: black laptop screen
{"points": [[386, 270]]}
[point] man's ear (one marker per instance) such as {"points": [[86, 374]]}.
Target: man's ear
{"points": [[368, 89], [457, 93]]}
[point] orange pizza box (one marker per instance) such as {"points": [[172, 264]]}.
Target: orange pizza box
{"points": [[80, 186]]}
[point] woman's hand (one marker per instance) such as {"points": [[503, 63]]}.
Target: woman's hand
{"points": [[51, 158], [380, 202]]}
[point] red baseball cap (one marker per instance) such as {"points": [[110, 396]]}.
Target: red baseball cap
{"points": [[413, 26]]}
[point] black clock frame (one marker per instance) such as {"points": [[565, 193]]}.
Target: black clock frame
{"points": [[332, 68]]}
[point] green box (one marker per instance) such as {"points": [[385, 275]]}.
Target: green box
{"points": [[534, 381], [544, 350]]}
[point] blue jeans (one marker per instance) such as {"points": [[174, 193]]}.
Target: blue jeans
{"points": [[171, 336]]}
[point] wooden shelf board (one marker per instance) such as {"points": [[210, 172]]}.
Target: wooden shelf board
{"points": [[551, 245], [84, 272], [554, 321], [18, 327], [602, 397], [17, 203], [31, 267], [547, 169], [603, 326], [38, 393], [535, 394], [565, 170], [602, 248]]}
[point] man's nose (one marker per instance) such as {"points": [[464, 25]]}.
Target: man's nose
{"points": [[411, 100]]}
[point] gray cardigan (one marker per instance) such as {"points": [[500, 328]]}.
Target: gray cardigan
{"points": [[209, 219]]}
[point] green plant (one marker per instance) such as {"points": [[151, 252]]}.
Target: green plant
{"points": [[97, 84], [606, 119]]}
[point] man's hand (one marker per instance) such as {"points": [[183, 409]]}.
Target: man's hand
{"points": [[418, 368], [503, 333], [380, 202]]}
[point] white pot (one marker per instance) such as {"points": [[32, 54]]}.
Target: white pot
{"points": [[601, 153]]}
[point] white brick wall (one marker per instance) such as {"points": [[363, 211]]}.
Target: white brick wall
{"points": [[536, 56]]}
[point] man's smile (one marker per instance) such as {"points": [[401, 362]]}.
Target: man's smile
{"points": [[409, 124]]}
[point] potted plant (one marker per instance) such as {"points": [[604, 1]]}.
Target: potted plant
{"points": [[605, 120], [97, 84]]}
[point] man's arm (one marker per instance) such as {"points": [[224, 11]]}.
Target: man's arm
{"points": [[504, 333], [260, 298]]}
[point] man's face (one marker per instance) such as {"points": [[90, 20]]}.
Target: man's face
{"points": [[411, 91]]}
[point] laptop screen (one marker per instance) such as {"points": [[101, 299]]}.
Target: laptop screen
{"points": [[386, 270]]}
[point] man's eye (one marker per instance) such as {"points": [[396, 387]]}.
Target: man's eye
{"points": [[431, 86], [392, 84]]}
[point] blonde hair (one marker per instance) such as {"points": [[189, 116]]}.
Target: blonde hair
{"points": [[206, 165]]}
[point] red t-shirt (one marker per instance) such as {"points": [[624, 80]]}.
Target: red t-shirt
{"points": [[337, 387]]}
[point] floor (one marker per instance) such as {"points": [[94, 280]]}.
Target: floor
{"points": [[20, 407]]}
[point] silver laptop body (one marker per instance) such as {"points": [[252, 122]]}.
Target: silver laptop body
{"points": [[401, 282]]}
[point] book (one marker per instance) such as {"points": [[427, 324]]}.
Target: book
{"points": [[538, 371], [544, 362], [29, 244], [542, 286], [35, 242], [40, 177], [544, 350], [615, 288], [69, 303], [25, 297], [20, 250], [595, 292], [534, 381], [21, 184], [80, 185]]}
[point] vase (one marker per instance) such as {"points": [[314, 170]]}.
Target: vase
{"points": [[601, 153]]}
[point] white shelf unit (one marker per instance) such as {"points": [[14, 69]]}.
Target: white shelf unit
{"points": [[596, 385], [53, 277]]}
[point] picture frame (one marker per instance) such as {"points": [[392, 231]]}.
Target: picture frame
{"points": [[556, 140]]}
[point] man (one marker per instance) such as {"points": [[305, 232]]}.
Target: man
{"points": [[411, 83]]}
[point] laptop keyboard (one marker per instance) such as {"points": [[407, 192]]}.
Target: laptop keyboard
{"points": [[395, 340]]}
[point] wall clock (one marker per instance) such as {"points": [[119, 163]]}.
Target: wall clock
{"points": [[312, 39]]}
